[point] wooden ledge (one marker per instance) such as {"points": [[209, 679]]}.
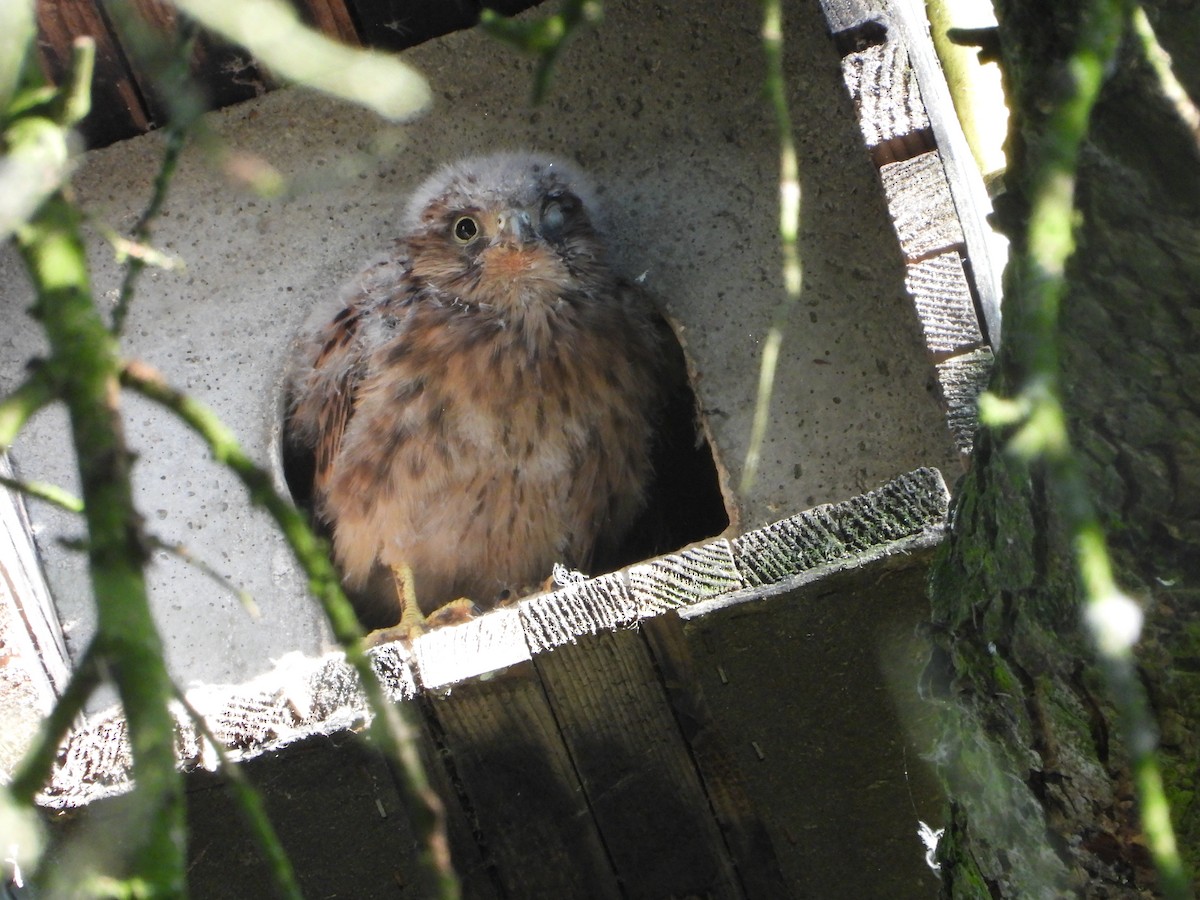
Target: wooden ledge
{"points": [[303, 696]]}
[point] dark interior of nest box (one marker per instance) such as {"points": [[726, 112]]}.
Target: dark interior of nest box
{"points": [[684, 505]]}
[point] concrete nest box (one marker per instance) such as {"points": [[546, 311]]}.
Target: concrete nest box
{"points": [[734, 717]]}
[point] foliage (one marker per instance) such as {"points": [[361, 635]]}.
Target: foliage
{"points": [[85, 371], [1038, 473]]}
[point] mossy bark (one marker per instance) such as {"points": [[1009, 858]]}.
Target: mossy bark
{"points": [[1033, 758]]}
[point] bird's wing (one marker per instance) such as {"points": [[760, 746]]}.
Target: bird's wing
{"points": [[323, 393], [341, 359]]}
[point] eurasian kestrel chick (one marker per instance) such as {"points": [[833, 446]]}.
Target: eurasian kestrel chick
{"points": [[483, 404]]}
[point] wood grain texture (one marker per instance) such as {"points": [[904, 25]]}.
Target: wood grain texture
{"points": [[575, 611], [331, 17], [745, 833], [939, 288], [517, 781], [962, 379], [362, 847], [489, 643], [798, 684], [680, 579], [913, 505], [303, 695], [963, 178], [118, 108], [922, 208], [847, 15], [885, 93], [636, 771], [34, 666]]}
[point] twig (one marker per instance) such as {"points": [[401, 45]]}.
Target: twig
{"points": [[50, 493], [180, 552], [789, 230], [543, 38], [19, 407], [170, 68], [252, 807], [390, 727], [83, 365], [1112, 619], [84, 359], [38, 762], [1160, 62]]}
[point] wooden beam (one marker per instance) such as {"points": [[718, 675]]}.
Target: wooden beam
{"points": [[118, 107], [575, 735], [516, 780], [611, 706], [922, 207], [939, 288], [331, 17], [962, 379]]}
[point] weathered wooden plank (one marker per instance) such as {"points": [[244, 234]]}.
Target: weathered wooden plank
{"points": [[363, 843], [939, 289], [745, 834], [814, 690], [575, 611], [331, 17], [227, 73], [922, 209], [117, 108], [885, 93], [848, 15], [515, 777], [680, 579], [489, 643], [983, 251], [637, 772], [301, 696], [912, 506], [962, 379]]}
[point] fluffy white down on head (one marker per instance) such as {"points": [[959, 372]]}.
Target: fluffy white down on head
{"points": [[516, 178]]}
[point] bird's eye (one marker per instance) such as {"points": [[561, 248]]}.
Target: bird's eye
{"points": [[553, 216], [465, 229]]}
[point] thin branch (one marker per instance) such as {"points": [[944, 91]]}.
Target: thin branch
{"points": [[180, 552], [168, 63], [789, 231], [49, 493], [84, 361], [38, 762], [1113, 619], [19, 407], [1160, 62], [543, 38], [390, 726], [251, 803], [176, 138], [272, 31]]}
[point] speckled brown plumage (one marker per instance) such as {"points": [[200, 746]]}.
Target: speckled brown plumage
{"points": [[482, 406]]}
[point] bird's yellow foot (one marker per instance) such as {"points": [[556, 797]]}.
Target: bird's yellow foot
{"points": [[413, 623]]}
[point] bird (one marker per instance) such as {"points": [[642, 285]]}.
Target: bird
{"points": [[483, 404]]}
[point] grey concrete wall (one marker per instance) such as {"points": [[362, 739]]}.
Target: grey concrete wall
{"points": [[662, 105]]}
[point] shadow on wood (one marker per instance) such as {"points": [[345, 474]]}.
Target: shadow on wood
{"points": [[706, 724]]}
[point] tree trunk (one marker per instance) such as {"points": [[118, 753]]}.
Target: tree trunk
{"points": [[1032, 755]]}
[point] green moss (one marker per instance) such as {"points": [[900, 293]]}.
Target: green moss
{"points": [[1003, 677]]}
